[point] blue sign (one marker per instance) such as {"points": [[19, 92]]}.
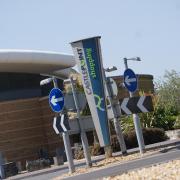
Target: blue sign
{"points": [[89, 60], [130, 80], [56, 100]]}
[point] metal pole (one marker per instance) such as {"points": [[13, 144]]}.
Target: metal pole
{"points": [[66, 141], [82, 132], [137, 123], [2, 173], [68, 150], [107, 149], [117, 124]]}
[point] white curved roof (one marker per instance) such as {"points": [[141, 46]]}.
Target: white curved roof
{"points": [[62, 74], [33, 61]]}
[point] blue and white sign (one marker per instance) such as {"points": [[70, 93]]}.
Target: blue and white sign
{"points": [[56, 100], [130, 80], [89, 60]]}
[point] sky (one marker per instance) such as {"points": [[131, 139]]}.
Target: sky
{"points": [[128, 28]]}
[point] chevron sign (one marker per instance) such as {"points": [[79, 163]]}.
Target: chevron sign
{"points": [[133, 105], [60, 124]]}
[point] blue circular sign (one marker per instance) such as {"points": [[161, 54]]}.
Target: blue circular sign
{"points": [[56, 100], [130, 80]]}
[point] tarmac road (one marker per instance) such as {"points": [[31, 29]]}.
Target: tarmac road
{"points": [[131, 165], [165, 155]]}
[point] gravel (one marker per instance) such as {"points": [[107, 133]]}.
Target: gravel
{"points": [[165, 171], [108, 162]]}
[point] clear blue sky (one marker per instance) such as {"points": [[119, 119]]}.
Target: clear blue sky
{"points": [[129, 28]]}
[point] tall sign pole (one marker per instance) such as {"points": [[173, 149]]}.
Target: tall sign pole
{"points": [[82, 131], [66, 140], [130, 82], [89, 60]]}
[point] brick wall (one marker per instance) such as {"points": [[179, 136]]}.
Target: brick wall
{"points": [[54, 141], [145, 84], [21, 130], [25, 128]]}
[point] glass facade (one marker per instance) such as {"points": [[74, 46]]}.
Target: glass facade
{"points": [[22, 85]]}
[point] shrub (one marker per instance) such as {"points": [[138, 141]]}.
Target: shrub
{"points": [[96, 150], [37, 164], [151, 135], [177, 123]]}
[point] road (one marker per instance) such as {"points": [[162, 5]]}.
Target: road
{"points": [[163, 156], [131, 165]]}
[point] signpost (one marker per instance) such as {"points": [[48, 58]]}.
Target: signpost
{"points": [[133, 105], [130, 81], [115, 112], [84, 140], [56, 102]]}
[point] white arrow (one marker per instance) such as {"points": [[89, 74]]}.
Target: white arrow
{"points": [[124, 106], [54, 125], [54, 100], [140, 104], [62, 123], [128, 80]]}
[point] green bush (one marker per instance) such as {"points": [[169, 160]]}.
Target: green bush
{"points": [[177, 123], [151, 135], [127, 123], [164, 117]]}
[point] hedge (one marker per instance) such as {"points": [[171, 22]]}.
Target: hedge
{"points": [[151, 135]]}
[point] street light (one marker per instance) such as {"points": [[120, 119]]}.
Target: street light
{"points": [[117, 125], [131, 59], [110, 69], [46, 81], [65, 135], [136, 120]]}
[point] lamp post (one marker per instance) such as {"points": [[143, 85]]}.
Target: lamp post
{"points": [[136, 120], [65, 135], [115, 110], [84, 139]]}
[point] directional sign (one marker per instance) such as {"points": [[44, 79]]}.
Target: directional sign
{"points": [[56, 100], [130, 80], [135, 105], [61, 124]]}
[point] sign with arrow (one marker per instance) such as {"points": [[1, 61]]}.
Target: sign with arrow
{"points": [[133, 105], [61, 124], [56, 100], [130, 80]]}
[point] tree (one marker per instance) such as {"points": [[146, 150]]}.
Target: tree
{"points": [[168, 90], [166, 103]]}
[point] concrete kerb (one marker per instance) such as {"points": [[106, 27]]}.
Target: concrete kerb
{"points": [[163, 144]]}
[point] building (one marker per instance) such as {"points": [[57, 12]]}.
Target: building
{"points": [[25, 117], [145, 85], [26, 131]]}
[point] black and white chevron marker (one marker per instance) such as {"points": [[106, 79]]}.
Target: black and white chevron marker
{"points": [[133, 105], [61, 124]]}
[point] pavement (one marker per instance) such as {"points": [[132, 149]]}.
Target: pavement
{"points": [[64, 168]]}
